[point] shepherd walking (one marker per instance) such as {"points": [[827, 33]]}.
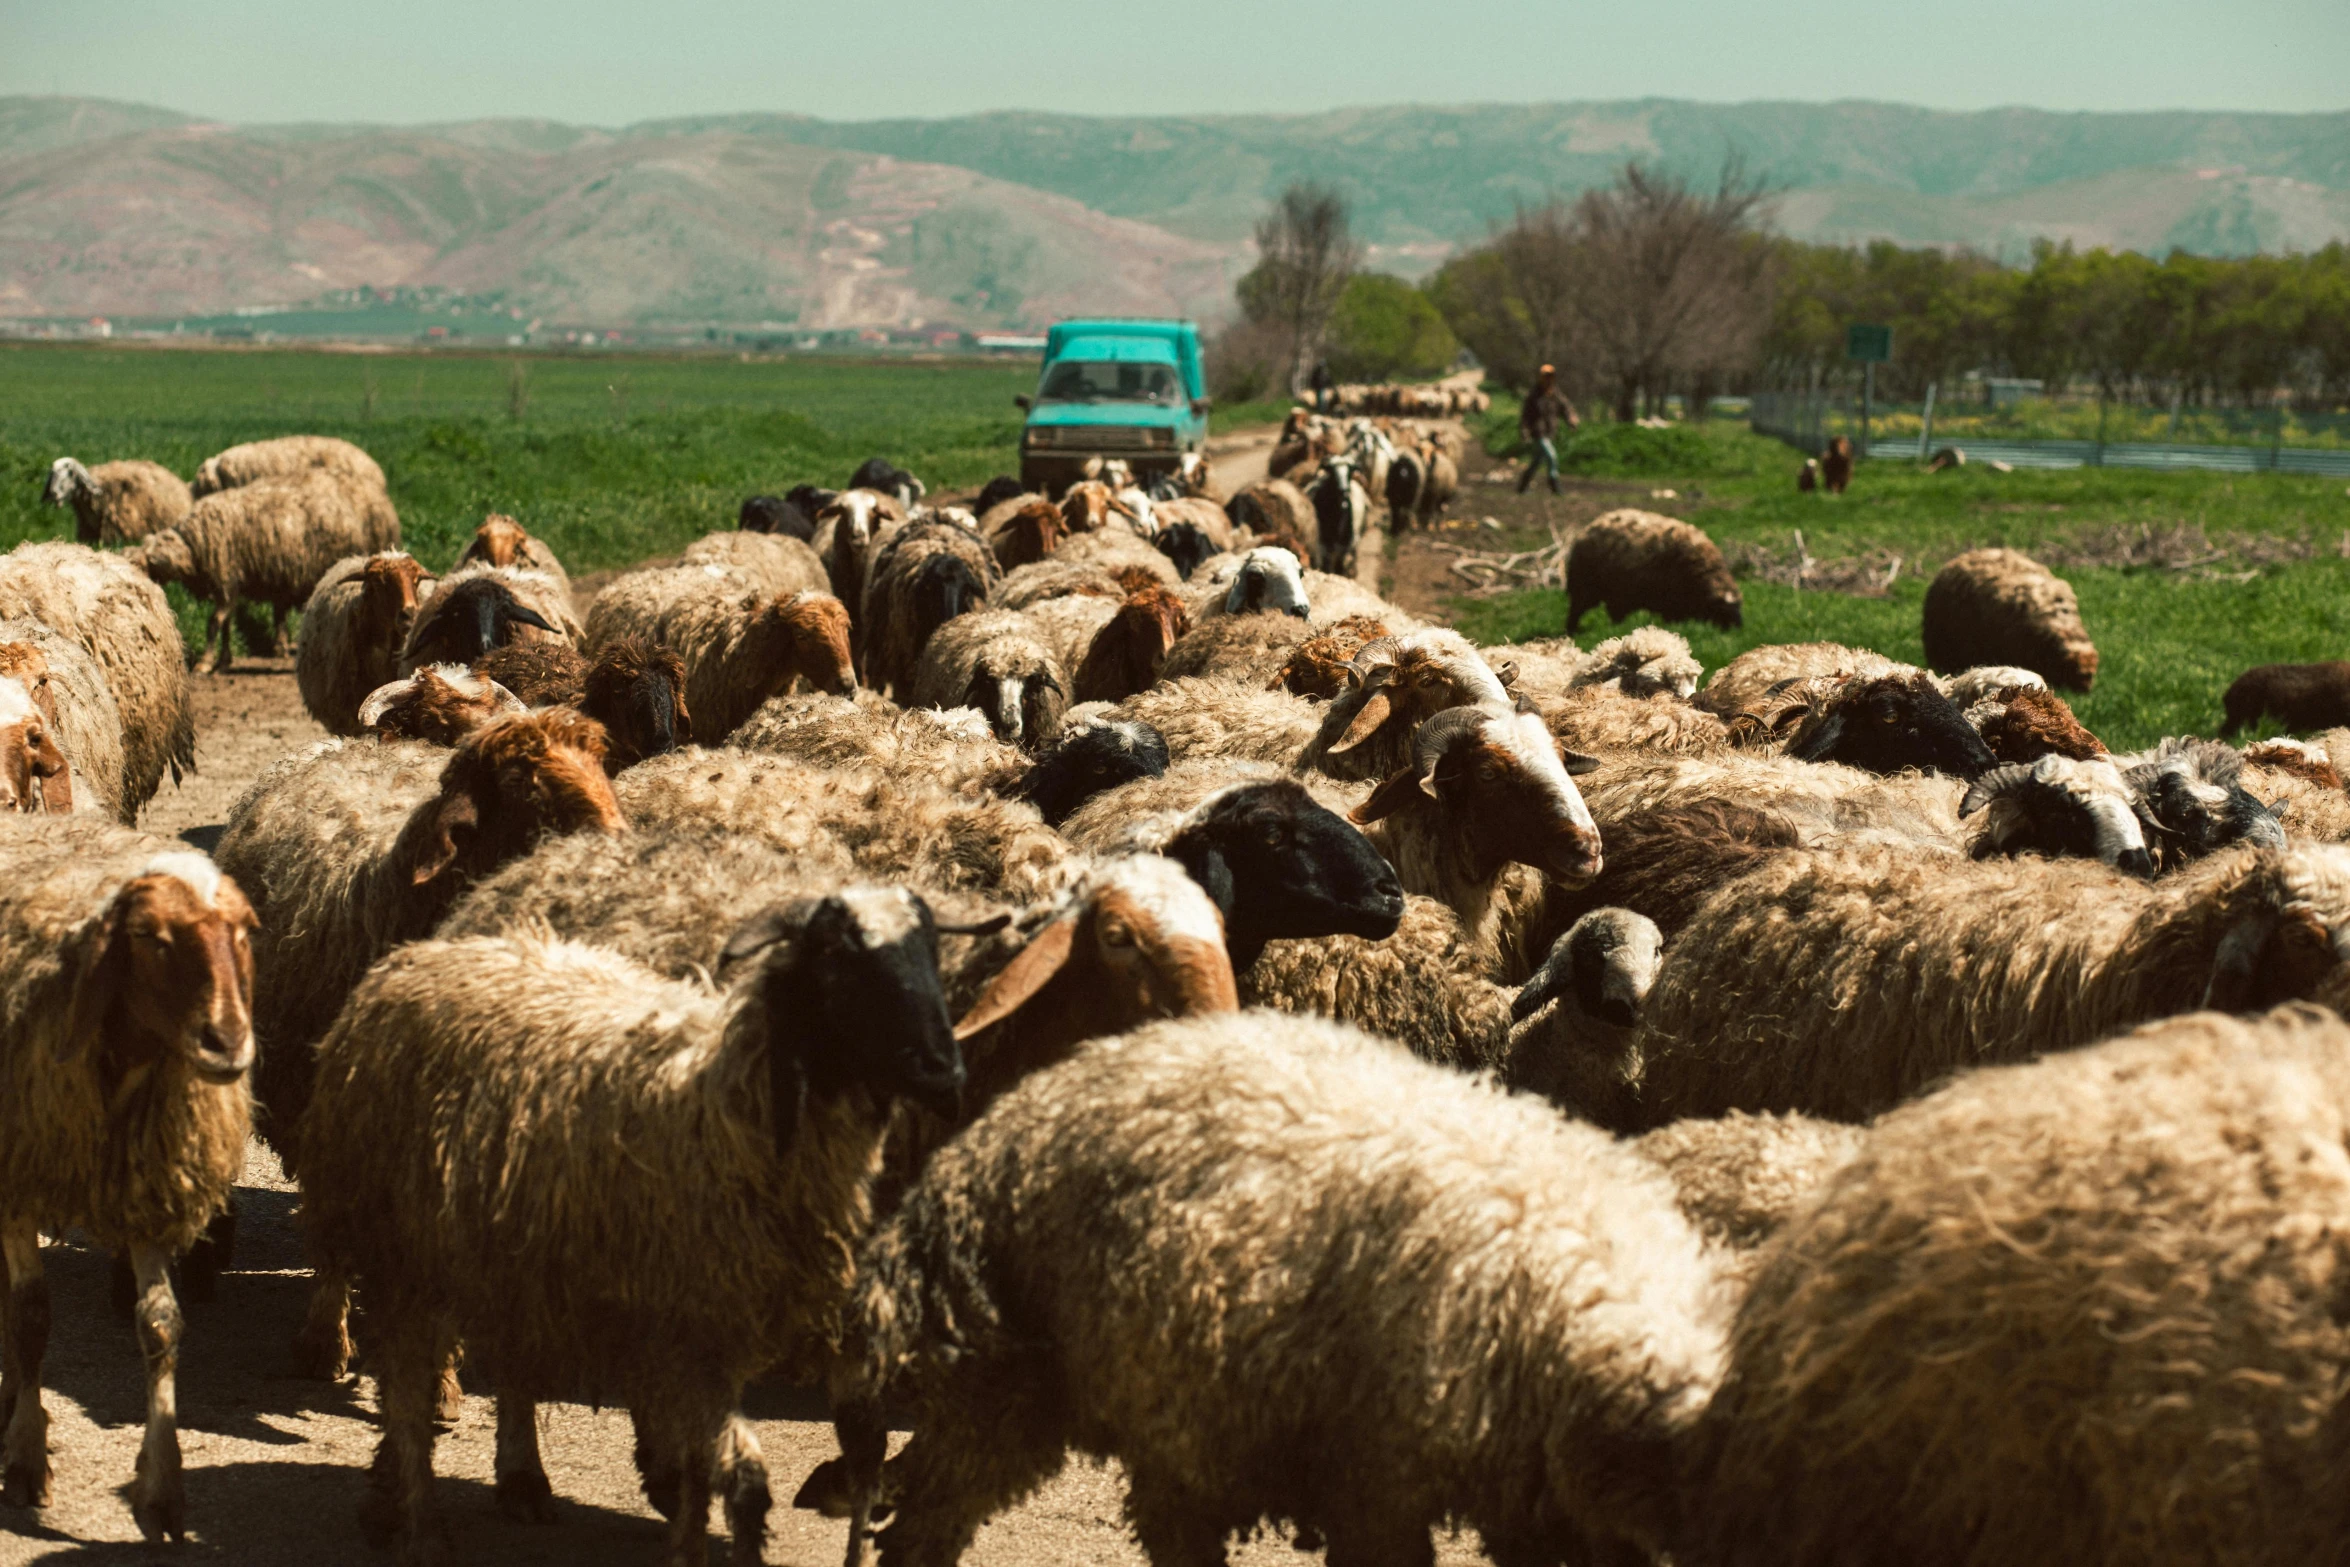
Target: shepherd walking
{"points": [[1539, 417]]}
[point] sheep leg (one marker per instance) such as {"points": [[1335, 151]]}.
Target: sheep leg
{"points": [[216, 655], [24, 1480], [159, 1499], [1362, 1538], [449, 1392], [689, 1530], [322, 1348], [742, 1485], [280, 645], [996, 1438], [1171, 1526], [523, 1493], [655, 1455], [407, 1359]]}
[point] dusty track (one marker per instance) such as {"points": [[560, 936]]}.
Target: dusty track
{"points": [[275, 1464]]}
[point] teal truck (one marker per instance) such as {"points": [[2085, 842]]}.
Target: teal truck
{"points": [[1127, 389]]}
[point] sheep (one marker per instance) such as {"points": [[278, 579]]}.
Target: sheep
{"points": [[926, 574], [121, 618], [1223, 717], [61, 733], [125, 1041], [2298, 759], [1399, 681], [996, 491], [1393, 1368], [1023, 530], [740, 646], [1807, 477], [2190, 795], [2060, 807], [1209, 521], [353, 626], [634, 688], [995, 661], [1268, 579], [474, 1092], [1644, 662], [117, 502], [1741, 1179], [476, 608], [1248, 629], [1601, 719], [955, 749], [1441, 485], [1125, 655], [778, 514], [2085, 1309], [1998, 606], [1739, 685], [1039, 582], [269, 541], [1985, 682], [1120, 551], [1886, 973], [501, 541], [2025, 723], [883, 477], [1092, 504], [440, 704], [848, 528], [778, 564], [1889, 723], [1629, 560], [899, 827], [1067, 625], [1665, 861], [1836, 465], [1341, 511], [1322, 666], [1277, 513], [2298, 696], [1568, 1031], [287, 457], [1407, 477], [1087, 758]]}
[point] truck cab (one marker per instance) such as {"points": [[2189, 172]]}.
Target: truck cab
{"points": [[1132, 390]]}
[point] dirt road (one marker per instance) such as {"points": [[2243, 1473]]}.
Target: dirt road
{"points": [[275, 1464]]}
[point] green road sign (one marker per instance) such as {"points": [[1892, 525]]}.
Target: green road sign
{"points": [[1868, 345]]}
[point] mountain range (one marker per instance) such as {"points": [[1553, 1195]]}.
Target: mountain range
{"points": [[1012, 219]]}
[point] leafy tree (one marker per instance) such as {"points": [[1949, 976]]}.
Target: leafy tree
{"points": [[1385, 329]]}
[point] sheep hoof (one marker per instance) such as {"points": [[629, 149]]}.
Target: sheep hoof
{"points": [[25, 1482], [322, 1355], [159, 1500], [525, 1497], [451, 1402]]}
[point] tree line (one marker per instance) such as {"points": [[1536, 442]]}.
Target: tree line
{"points": [[1653, 287]]}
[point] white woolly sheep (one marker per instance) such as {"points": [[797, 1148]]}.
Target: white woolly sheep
{"points": [[1234, 719], [353, 627], [1405, 1358], [1398, 681], [440, 704], [123, 620], [286, 457], [777, 563], [1570, 1029], [740, 645], [1742, 1178], [2086, 1309], [998, 662], [954, 748], [125, 1038], [1998, 606], [118, 502], [60, 727]]}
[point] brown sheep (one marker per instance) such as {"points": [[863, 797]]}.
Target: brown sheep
{"points": [[501, 541], [1998, 606], [2310, 764], [2025, 723], [542, 674], [1321, 666], [440, 704], [1126, 653], [2299, 696], [1023, 530], [1631, 560], [1277, 512], [1666, 861], [633, 687], [1836, 465]]}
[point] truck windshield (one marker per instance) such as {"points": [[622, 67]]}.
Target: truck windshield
{"points": [[1106, 381]]}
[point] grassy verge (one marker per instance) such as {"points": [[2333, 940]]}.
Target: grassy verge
{"points": [[2185, 580]]}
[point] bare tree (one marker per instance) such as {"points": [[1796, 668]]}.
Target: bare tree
{"points": [[1306, 253]]}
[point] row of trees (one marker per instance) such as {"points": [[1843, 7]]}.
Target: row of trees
{"points": [[1652, 287]]}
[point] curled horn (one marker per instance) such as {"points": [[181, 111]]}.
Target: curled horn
{"points": [[1998, 782], [1436, 736]]}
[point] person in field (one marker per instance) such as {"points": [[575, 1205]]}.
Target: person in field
{"points": [[1539, 418]]}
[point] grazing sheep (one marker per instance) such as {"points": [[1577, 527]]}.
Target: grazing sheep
{"points": [[1331, 1328], [475, 1091], [122, 619], [501, 541], [476, 608], [1398, 682], [778, 564], [440, 704], [2191, 796], [125, 1039], [1040, 582], [117, 502], [954, 749], [2025, 723], [923, 576], [995, 661], [61, 733], [287, 457], [1998, 606], [1889, 724], [740, 645], [1884, 972], [883, 477], [1836, 465], [2085, 1309], [1222, 717], [1087, 758], [1322, 666], [1568, 1036], [1277, 513], [2298, 696], [1741, 1179], [353, 627], [1630, 560], [271, 542]]}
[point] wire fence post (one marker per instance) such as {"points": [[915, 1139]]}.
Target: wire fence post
{"points": [[1926, 429]]}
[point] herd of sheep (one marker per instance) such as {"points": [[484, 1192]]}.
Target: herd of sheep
{"points": [[1070, 973]]}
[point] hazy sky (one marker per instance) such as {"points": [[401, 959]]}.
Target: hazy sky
{"points": [[612, 61]]}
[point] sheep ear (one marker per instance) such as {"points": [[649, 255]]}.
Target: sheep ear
{"points": [[99, 963], [1388, 798], [1029, 971], [457, 819], [2235, 966], [1206, 865], [1366, 722]]}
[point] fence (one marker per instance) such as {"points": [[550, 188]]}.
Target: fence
{"points": [[1807, 420]]}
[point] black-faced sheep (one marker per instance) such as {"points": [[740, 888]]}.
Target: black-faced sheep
{"points": [[1088, 758], [1842, 982], [923, 576], [122, 620], [476, 608], [1003, 487], [884, 477], [1998, 606], [740, 645], [286, 457], [635, 689], [2191, 797], [60, 728], [353, 628], [2086, 1309], [1631, 560], [1402, 1360], [118, 502], [125, 1039], [502, 541], [1342, 509], [474, 1091], [995, 661], [774, 514], [1888, 724]]}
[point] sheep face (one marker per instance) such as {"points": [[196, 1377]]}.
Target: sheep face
{"points": [[1500, 787], [168, 968], [2192, 803], [511, 782], [944, 586], [818, 626], [1890, 724], [1270, 579], [66, 482], [1029, 534], [1280, 866], [1408, 679], [1184, 543], [440, 704], [1608, 960], [471, 618], [855, 515], [2060, 807], [33, 772], [1021, 699], [388, 598], [1097, 757], [850, 982], [497, 542], [637, 692]]}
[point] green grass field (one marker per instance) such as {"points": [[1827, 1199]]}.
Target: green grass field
{"points": [[2170, 640]]}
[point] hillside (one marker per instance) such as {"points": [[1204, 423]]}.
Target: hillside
{"points": [[1012, 219]]}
